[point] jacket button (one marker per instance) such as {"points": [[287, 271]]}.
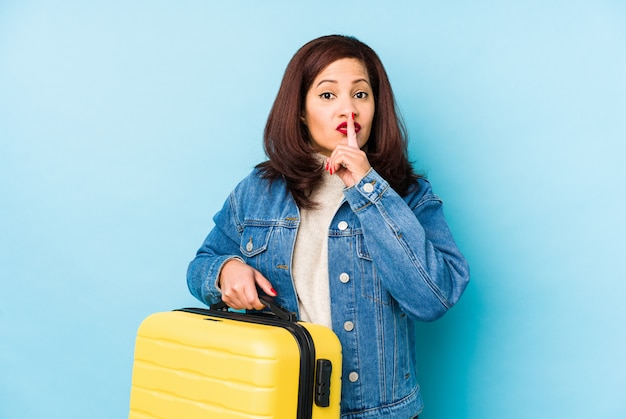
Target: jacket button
{"points": [[353, 376], [368, 187], [348, 326], [249, 246], [342, 225], [344, 278]]}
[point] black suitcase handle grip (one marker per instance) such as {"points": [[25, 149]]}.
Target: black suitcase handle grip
{"points": [[272, 307]]}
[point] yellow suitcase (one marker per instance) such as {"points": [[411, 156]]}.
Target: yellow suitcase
{"points": [[213, 363]]}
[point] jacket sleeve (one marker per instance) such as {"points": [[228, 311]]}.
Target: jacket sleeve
{"points": [[221, 245], [412, 247]]}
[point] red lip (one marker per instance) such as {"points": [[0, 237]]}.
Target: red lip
{"points": [[343, 128]]}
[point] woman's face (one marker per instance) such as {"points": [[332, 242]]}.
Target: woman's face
{"points": [[342, 88]]}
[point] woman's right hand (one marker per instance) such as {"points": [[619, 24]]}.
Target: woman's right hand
{"points": [[238, 283]]}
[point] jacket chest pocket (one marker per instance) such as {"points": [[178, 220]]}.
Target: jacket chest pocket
{"points": [[254, 240], [371, 286]]}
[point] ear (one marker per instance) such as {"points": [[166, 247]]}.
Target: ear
{"points": [[303, 118]]}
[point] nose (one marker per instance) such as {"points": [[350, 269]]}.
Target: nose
{"points": [[347, 107]]}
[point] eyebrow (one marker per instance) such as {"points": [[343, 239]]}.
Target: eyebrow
{"points": [[335, 81]]}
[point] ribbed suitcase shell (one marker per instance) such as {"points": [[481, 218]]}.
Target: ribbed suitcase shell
{"points": [[229, 366]]}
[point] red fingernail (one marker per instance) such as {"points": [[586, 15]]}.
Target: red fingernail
{"points": [[353, 116], [273, 291]]}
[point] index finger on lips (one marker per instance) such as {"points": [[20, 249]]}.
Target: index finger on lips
{"points": [[352, 142]]}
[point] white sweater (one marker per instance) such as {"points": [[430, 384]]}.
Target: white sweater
{"points": [[310, 256]]}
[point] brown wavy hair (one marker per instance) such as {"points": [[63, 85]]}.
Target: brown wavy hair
{"points": [[286, 139]]}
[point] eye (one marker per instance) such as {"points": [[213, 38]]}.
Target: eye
{"points": [[361, 95], [326, 96]]}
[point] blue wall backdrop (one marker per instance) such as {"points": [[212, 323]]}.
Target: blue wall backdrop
{"points": [[124, 124]]}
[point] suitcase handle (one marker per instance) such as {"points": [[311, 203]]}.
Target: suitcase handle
{"points": [[272, 307]]}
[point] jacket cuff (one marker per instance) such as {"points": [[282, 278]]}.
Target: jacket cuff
{"points": [[368, 191]]}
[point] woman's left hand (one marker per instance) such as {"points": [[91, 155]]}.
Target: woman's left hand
{"points": [[348, 161]]}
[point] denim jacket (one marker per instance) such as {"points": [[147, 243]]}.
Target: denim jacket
{"points": [[392, 260]]}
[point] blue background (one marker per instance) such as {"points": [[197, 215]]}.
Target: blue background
{"points": [[123, 126]]}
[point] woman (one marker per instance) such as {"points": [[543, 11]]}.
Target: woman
{"points": [[337, 227]]}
